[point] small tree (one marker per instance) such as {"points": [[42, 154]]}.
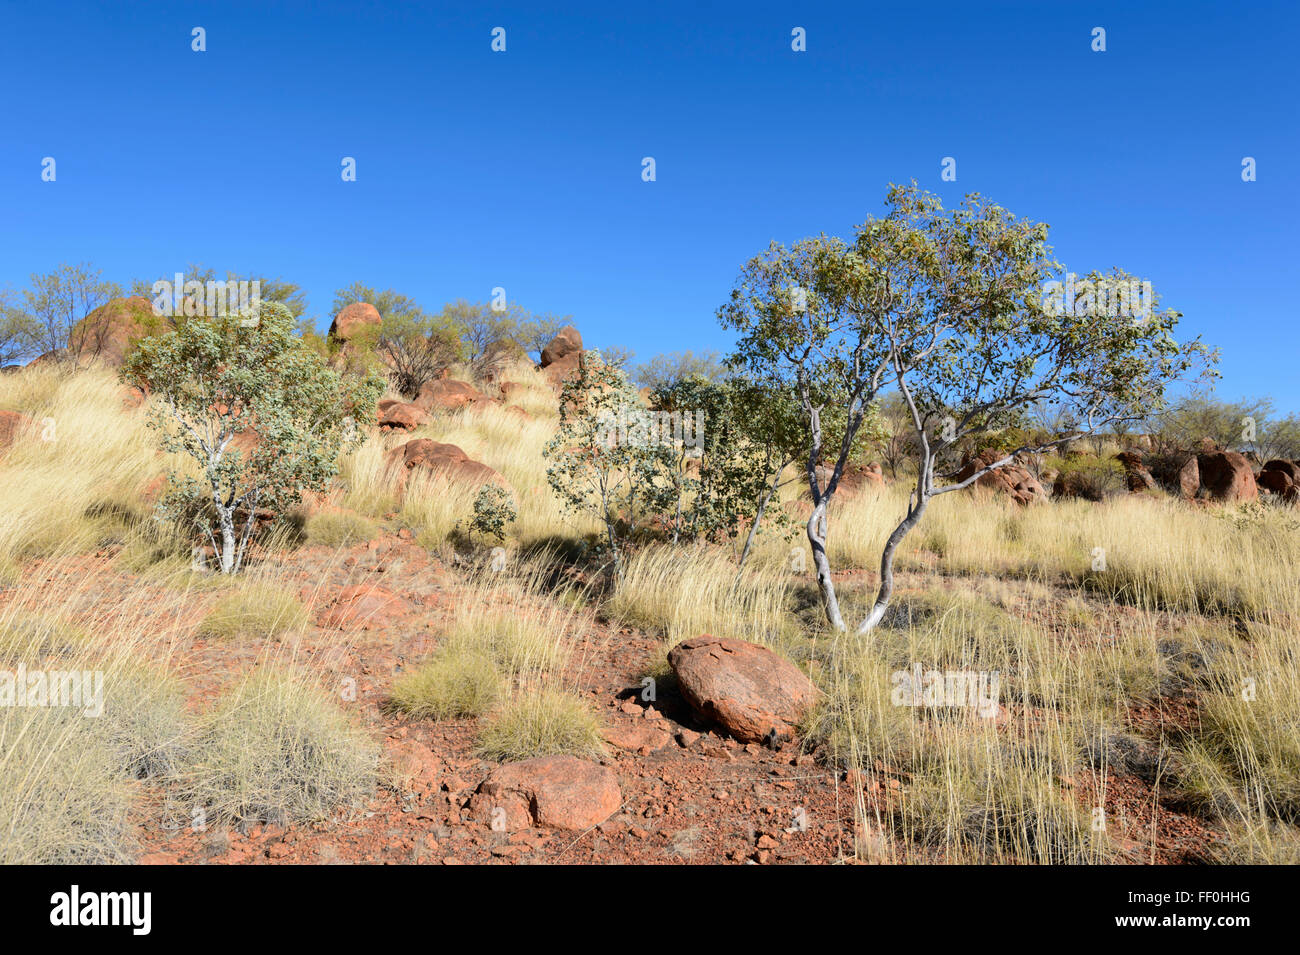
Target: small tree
{"points": [[535, 332], [18, 330], [484, 331], [745, 438], [413, 346], [217, 379], [600, 465], [58, 300], [950, 309]]}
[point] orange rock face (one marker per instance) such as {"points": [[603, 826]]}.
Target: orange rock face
{"points": [[554, 792], [107, 333], [444, 459], [1227, 476], [447, 394], [399, 416], [568, 341]]}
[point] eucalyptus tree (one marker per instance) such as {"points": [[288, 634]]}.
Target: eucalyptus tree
{"points": [[213, 381], [948, 308]]}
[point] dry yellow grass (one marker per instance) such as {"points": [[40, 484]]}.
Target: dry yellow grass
{"points": [[74, 479]]}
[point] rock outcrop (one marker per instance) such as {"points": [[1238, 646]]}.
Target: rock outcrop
{"points": [[447, 394], [353, 319], [446, 460], [567, 341], [1227, 476]]}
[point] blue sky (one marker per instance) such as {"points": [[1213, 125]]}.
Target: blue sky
{"points": [[523, 169]]}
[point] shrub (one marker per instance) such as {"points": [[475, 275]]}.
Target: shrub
{"points": [[1093, 479], [493, 510]]}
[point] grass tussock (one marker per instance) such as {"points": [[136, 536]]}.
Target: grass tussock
{"points": [[457, 682], [254, 609], [337, 528], [542, 722], [276, 749], [99, 716]]}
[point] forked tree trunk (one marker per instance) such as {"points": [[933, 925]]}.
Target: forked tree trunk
{"points": [[817, 539], [886, 591]]}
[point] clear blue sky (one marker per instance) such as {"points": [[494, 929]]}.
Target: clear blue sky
{"points": [[523, 169]]}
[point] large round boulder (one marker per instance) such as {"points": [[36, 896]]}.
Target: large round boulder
{"points": [[108, 333], [353, 319], [447, 394], [446, 460], [742, 687], [400, 416]]}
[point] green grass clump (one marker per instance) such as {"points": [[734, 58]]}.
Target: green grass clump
{"points": [[340, 528], [257, 609], [544, 723], [457, 682]]}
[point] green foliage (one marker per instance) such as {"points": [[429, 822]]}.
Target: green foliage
{"points": [[484, 331], [225, 376], [18, 329], [493, 510], [534, 332], [599, 467], [744, 438]]}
